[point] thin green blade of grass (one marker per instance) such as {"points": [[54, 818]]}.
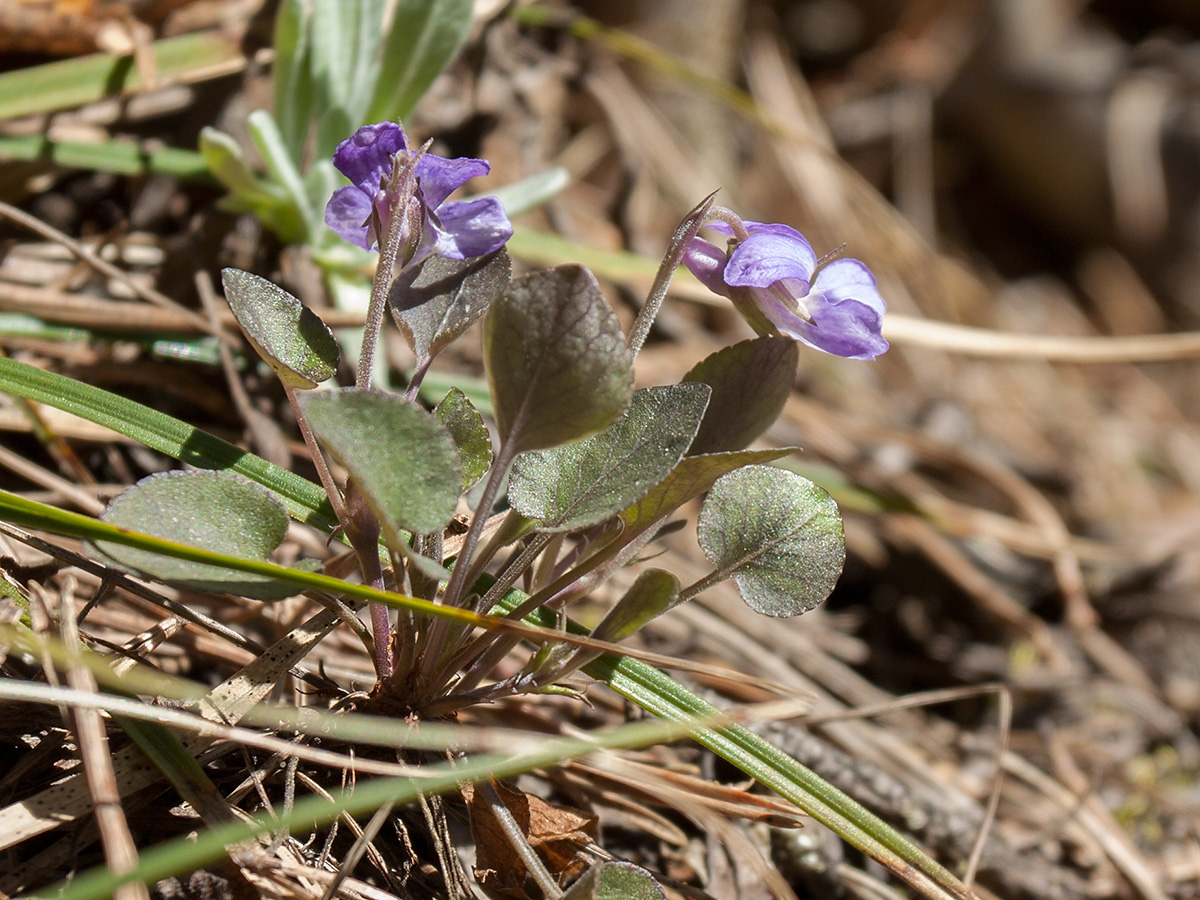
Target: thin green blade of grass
{"points": [[647, 686], [186, 853], [304, 500], [118, 157], [74, 82]]}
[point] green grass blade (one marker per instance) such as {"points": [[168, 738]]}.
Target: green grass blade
{"points": [[641, 683], [119, 157], [74, 82], [303, 499], [185, 853]]}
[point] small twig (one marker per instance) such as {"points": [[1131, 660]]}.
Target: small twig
{"points": [[120, 851], [517, 840], [107, 269]]}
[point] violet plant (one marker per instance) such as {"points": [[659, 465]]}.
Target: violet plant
{"points": [[594, 470], [579, 471]]}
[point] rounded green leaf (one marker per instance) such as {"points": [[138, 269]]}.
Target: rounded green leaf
{"points": [[750, 382], [287, 334], [557, 363], [402, 459], [588, 481], [777, 534], [215, 511], [615, 879], [435, 302], [467, 427]]}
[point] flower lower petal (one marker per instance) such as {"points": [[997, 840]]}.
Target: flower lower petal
{"points": [[849, 279], [847, 328], [348, 213], [468, 228]]}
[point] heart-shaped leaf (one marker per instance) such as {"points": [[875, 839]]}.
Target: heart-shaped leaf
{"points": [[287, 334], [588, 481], [750, 382], [435, 302], [215, 511], [467, 427], [402, 459], [556, 359], [777, 534]]}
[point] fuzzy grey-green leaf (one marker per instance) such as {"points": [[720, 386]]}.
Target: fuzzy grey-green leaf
{"points": [[777, 534], [470, 433], [215, 511], [588, 481], [287, 334], [437, 301], [556, 359], [402, 459], [750, 382]]}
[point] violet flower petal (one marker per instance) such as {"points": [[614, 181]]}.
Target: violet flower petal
{"points": [[348, 214], [468, 228], [366, 156], [440, 177], [849, 279], [770, 256], [707, 262], [845, 328]]}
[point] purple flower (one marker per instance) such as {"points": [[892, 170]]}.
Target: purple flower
{"points": [[770, 279], [360, 212]]}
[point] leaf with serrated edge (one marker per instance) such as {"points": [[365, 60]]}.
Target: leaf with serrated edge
{"points": [[556, 359], [467, 427], [288, 335], [750, 382], [402, 459], [215, 511], [437, 301], [777, 534], [588, 481]]}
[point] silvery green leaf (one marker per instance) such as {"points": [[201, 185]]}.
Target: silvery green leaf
{"points": [[212, 510], [467, 427], [530, 193], [424, 37], [615, 880], [402, 459], [437, 301], [586, 482], [750, 383], [777, 534], [287, 334], [556, 359]]}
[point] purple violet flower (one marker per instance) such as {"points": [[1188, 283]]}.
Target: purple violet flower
{"points": [[769, 277], [360, 212]]}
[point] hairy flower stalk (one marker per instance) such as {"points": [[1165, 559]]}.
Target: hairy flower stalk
{"points": [[397, 204], [774, 279]]}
